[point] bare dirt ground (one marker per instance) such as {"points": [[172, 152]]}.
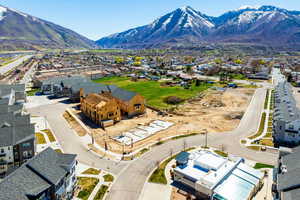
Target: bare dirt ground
{"points": [[215, 112]]}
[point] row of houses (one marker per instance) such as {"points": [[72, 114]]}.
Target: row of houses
{"points": [[286, 120], [27, 176], [16, 132]]}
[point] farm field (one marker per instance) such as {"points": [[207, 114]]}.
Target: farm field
{"points": [[152, 91]]}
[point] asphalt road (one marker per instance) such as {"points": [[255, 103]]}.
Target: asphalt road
{"points": [[132, 175], [14, 64], [69, 141], [130, 182]]}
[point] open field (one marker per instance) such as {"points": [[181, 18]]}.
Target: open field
{"points": [[152, 91]]}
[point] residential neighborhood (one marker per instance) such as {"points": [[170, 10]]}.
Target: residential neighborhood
{"points": [[190, 106]]}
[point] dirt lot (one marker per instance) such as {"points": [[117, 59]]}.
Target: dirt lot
{"points": [[215, 111]]}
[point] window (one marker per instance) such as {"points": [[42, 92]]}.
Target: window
{"points": [[25, 154], [137, 106], [2, 150], [26, 144]]}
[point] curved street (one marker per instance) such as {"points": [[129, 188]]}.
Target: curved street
{"points": [[132, 175]]}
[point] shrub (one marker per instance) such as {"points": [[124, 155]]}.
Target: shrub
{"points": [[173, 100]]}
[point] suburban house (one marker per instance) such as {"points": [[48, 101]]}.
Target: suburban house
{"points": [[17, 141], [286, 176], [108, 107], [101, 108], [286, 120], [59, 86], [48, 176]]}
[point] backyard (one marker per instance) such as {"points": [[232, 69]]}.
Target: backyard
{"points": [[152, 91]]}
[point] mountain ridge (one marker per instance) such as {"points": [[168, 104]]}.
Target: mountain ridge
{"points": [[265, 24], [21, 30]]}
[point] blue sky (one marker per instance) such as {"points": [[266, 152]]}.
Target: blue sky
{"points": [[97, 18]]}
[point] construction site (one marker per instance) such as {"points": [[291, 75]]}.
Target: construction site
{"points": [[213, 111]]}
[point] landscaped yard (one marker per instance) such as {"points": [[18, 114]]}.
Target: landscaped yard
{"points": [[101, 192], [158, 176], [32, 92], [58, 150], [40, 139], [108, 178], [152, 91], [221, 153], [86, 185], [267, 142], [50, 135], [92, 171], [262, 165]]}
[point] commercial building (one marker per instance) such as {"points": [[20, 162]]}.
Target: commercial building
{"points": [[287, 175], [210, 176], [17, 141], [47, 176], [286, 120]]}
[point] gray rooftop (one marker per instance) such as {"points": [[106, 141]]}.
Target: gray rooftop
{"points": [[289, 181], [285, 108], [123, 94], [37, 175]]}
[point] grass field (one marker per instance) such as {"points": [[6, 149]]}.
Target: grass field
{"points": [[87, 185], [152, 91]]}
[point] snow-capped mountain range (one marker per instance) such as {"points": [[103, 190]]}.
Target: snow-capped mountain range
{"points": [[22, 31], [248, 24]]}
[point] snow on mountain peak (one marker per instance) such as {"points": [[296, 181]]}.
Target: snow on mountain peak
{"points": [[2, 11], [248, 7]]}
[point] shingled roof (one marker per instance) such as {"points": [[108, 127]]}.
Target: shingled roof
{"points": [[37, 175], [123, 94]]}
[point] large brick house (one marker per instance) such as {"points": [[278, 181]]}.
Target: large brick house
{"points": [[111, 105]]}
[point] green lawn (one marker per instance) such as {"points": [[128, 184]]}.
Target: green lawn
{"points": [[86, 185], [262, 165], [152, 91], [108, 178], [158, 176], [101, 192], [92, 171], [40, 139]]}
